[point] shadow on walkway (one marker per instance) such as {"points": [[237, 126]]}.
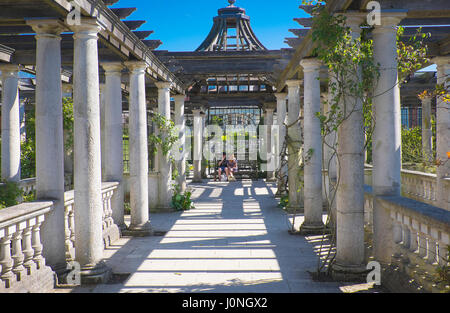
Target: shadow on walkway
{"points": [[236, 240]]}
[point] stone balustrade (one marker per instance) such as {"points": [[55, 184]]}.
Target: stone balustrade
{"points": [[111, 231], [416, 185], [420, 238], [28, 185], [22, 265], [419, 186]]}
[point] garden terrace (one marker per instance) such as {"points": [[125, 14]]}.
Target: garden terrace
{"points": [[121, 89]]}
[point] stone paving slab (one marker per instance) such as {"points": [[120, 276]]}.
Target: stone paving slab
{"points": [[235, 241]]}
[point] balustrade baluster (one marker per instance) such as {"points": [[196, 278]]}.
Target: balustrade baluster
{"points": [[36, 243], [18, 256], [413, 240], [68, 233], [27, 248], [6, 260]]}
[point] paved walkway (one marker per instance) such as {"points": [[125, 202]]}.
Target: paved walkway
{"points": [[236, 240]]}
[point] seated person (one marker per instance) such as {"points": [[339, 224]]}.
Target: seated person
{"points": [[223, 166], [232, 165]]}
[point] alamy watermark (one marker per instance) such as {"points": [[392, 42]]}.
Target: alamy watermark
{"points": [[374, 17], [74, 16], [374, 275]]}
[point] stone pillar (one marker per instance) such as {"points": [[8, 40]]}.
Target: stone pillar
{"points": [[349, 263], [281, 119], [165, 167], [88, 205], [387, 132], [67, 90], [113, 138], [181, 124], [10, 123], [49, 138], [102, 88], [427, 130], [198, 147], [140, 224], [313, 148], [269, 145], [442, 133], [294, 146], [330, 153]]}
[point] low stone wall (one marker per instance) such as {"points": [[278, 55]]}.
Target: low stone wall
{"points": [[22, 265], [420, 241], [415, 185]]}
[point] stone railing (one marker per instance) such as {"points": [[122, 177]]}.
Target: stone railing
{"points": [[28, 185], [415, 185], [419, 186], [22, 265], [420, 238], [111, 231]]}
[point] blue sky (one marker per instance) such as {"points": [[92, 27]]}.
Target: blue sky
{"points": [[182, 25]]}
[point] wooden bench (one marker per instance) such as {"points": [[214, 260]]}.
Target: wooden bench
{"points": [[246, 170]]}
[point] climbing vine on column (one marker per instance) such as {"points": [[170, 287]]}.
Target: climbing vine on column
{"points": [[353, 76]]}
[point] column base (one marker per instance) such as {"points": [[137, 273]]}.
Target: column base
{"points": [[313, 229], [271, 180], [95, 274], [349, 273], [198, 180], [162, 210], [145, 230], [295, 209]]}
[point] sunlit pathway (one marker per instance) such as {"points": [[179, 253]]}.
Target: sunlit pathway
{"points": [[236, 240]]}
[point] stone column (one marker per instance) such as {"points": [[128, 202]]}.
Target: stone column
{"points": [[102, 88], [10, 123], [330, 154], [387, 132], [281, 119], [49, 138], [67, 90], [427, 130], [198, 147], [313, 148], [294, 146], [269, 145], [165, 167], [181, 124], [88, 206], [442, 133], [140, 224], [349, 263], [113, 138]]}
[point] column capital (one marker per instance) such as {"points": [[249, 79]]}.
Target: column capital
{"points": [[136, 66], [112, 68], [389, 21], [354, 20], [197, 112], [293, 83], [87, 29], [163, 85], [179, 98], [10, 70], [441, 60], [311, 64], [52, 27], [281, 96]]}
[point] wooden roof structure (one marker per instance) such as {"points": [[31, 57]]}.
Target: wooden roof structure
{"points": [[433, 16], [118, 40]]}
